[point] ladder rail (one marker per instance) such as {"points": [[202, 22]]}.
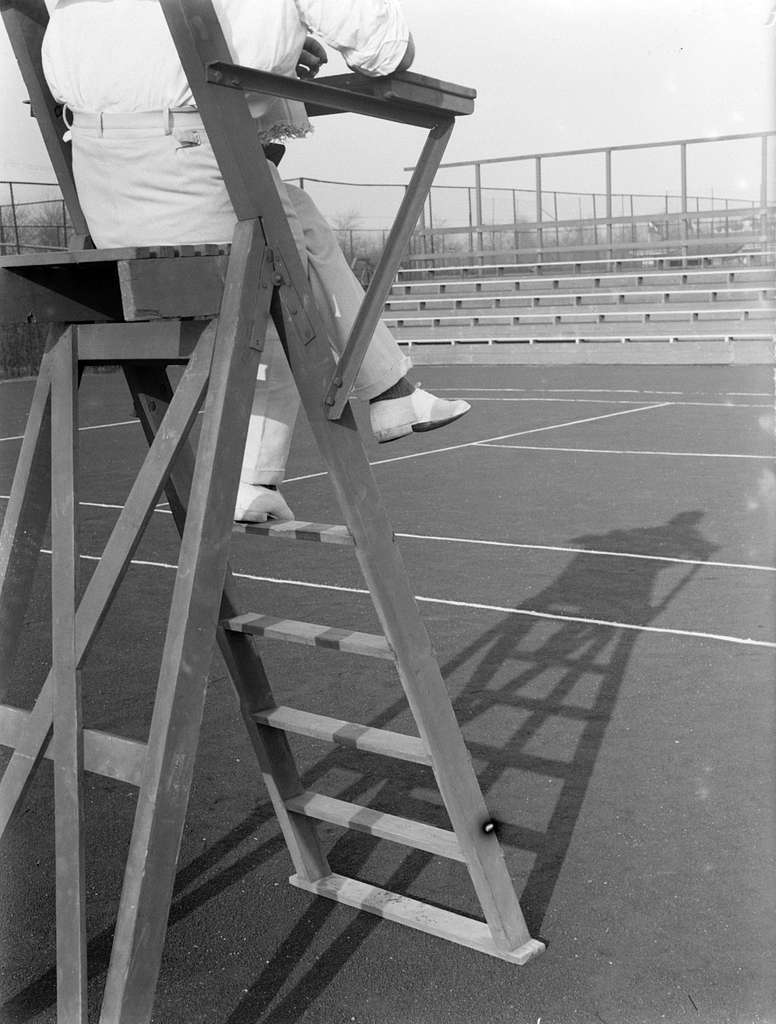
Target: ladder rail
{"points": [[152, 394]]}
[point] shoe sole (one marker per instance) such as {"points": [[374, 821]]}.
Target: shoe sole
{"points": [[384, 436]]}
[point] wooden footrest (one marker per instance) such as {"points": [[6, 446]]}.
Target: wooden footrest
{"points": [[347, 734], [294, 530], [416, 834], [371, 644], [464, 931]]}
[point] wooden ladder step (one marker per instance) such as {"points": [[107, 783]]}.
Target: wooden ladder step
{"points": [[294, 530], [347, 734], [416, 834], [465, 931], [371, 644]]}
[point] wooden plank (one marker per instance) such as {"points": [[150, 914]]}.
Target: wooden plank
{"points": [[322, 99], [152, 289], [408, 79], [407, 88], [309, 633], [297, 530], [346, 734], [114, 757], [66, 293], [36, 261], [166, 341], [464, 931], [68, 735], [416, 834]]}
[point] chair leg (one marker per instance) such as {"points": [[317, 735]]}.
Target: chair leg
{"points": [[163, 798], [68, 741]]}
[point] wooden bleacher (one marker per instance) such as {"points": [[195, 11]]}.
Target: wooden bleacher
{"points": [[730, 299]]}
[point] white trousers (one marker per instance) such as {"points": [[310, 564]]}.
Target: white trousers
{"points": [[152, 179]]}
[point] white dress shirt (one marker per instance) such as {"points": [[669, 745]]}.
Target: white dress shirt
{"points": [[117, 56]]}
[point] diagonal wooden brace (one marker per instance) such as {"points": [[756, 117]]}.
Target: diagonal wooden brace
{"points": [[36, 730], [346, 371]]}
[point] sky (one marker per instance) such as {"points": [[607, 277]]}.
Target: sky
{"points": [[550, 75]]}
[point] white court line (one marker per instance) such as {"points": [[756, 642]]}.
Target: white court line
{"points": [[502, 609], [617, 451], [522, 546], [469, 393], [620, 391], [587, 551], [488, 440], [96, 426]]}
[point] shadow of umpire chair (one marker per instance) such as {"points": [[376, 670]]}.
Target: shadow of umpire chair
{"points": [[207, 308], [557, 666]]}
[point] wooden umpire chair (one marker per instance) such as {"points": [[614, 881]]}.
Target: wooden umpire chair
{"points": [[208, 308]]}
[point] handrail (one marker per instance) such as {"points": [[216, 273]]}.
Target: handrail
{"points": [[423, 102], [608, 149]]}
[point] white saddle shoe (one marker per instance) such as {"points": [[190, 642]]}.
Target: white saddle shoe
{"points": [[396, 417], [257, 504]]}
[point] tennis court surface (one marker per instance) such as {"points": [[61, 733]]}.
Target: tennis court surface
{"points": [[592, 549]]}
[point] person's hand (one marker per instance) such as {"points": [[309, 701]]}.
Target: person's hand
{"points": [[312, 57]]}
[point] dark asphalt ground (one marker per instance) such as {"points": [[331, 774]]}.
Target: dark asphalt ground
{"points": [[625, 740]]}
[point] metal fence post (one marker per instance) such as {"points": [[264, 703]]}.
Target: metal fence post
{"points": [[609, 226], [471, 219], [431, 223], [478, 206], [539, 229], [685, 218], [13, 217], [764, 189], [555, 212], [633, 223], [514, 214]]}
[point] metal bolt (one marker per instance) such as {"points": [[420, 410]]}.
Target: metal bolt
{"points": [[329, 401], [338, 382], [277, 279]]}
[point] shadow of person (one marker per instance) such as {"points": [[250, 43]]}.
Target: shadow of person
{"points": [[570, 644]]}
